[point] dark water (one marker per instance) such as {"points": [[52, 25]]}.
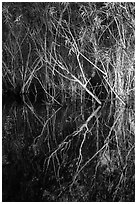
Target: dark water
{"points": [[45, 146]]}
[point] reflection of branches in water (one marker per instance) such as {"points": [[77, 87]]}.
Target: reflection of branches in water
{"points": [[45, 124], [42, 138], [65, 144], [57, 154]]}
